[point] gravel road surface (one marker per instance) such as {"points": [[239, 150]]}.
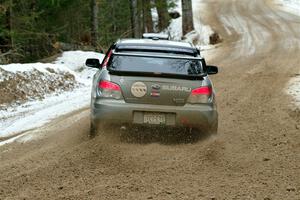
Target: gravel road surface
{"points": [[256, 154]]}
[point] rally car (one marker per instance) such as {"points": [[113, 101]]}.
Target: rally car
{"points": [[153, 82]]}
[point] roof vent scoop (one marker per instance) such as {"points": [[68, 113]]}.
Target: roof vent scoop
{"points": [[156, 36]]}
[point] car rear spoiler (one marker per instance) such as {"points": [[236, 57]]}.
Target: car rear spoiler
{"points": [[156, 36], [157, 56]]}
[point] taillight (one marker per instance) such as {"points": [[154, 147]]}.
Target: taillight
{"points": [[202, 91], [200, 95], [109, 89], [109, 86], [105, 62]]}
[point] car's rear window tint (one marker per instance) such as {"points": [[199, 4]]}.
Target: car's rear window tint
{"points": [[155, 65]]}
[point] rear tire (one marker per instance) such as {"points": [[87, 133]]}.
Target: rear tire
{"points": [[93, 130]]}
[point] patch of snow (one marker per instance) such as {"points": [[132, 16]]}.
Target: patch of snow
{"points": [[4, 75], [294, 89], [200, 36], [11, 140], [175, 27], [36, 113], [75, 60], [291, 6], [154, 15], [204, 31], [15, 118], [42, 67]]}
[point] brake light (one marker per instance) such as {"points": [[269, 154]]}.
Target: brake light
{"points": [[107, 85], [202, 91], [200, 95], [109, 89], [105, 62]]}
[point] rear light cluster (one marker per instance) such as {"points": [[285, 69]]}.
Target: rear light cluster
{"points": [[106, 60], [200, 95], [109, 89]]}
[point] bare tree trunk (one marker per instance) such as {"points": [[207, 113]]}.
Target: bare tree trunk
{"points": [[113, 17], [148, 23], [187, 17], [135, 24], [10, 24], [163, 14], [141, 9], [94, 23]]}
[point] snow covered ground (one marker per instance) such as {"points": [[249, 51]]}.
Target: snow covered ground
{"points": [[292, 6], [294, 89], [19, 117]]}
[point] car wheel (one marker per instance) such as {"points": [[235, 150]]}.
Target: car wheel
{"points": [[93, 130]]}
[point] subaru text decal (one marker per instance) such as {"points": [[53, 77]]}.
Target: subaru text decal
{"points": [[176, 88]]}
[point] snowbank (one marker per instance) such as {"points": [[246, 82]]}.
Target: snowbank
{"points": [[200, 36], [33, 114], [22, 82], [75, 60], [175, 27], [33, 94]]}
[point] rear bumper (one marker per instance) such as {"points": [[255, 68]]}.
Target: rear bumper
{"points": [[202, 116]]}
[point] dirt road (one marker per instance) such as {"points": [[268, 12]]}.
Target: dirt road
{"points": [[256, 154]]}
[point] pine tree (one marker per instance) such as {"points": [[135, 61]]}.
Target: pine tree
{"points": [[148, 22], [94, 22]]}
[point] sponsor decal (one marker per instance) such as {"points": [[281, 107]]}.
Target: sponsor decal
{"points": [[155, 94], [139, 89], [155, 90], [176, 88]]}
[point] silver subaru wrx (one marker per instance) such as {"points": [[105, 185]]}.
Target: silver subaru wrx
{"points": [[153, 83]]}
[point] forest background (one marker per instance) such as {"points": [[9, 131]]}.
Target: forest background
{"points": [[34, 29]]}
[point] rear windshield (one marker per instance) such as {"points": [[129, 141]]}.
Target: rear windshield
{"points": [[155, 65]]}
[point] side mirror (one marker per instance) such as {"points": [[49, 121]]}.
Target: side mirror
{"points": [[212, 69], [92, 62]]}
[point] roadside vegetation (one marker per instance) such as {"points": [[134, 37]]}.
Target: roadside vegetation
{"points": [[35, 29]]}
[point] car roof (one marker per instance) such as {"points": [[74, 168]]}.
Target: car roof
{"points": [[156, 45]]}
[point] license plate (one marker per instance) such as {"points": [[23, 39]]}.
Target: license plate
{"points": [[152, 118]]}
